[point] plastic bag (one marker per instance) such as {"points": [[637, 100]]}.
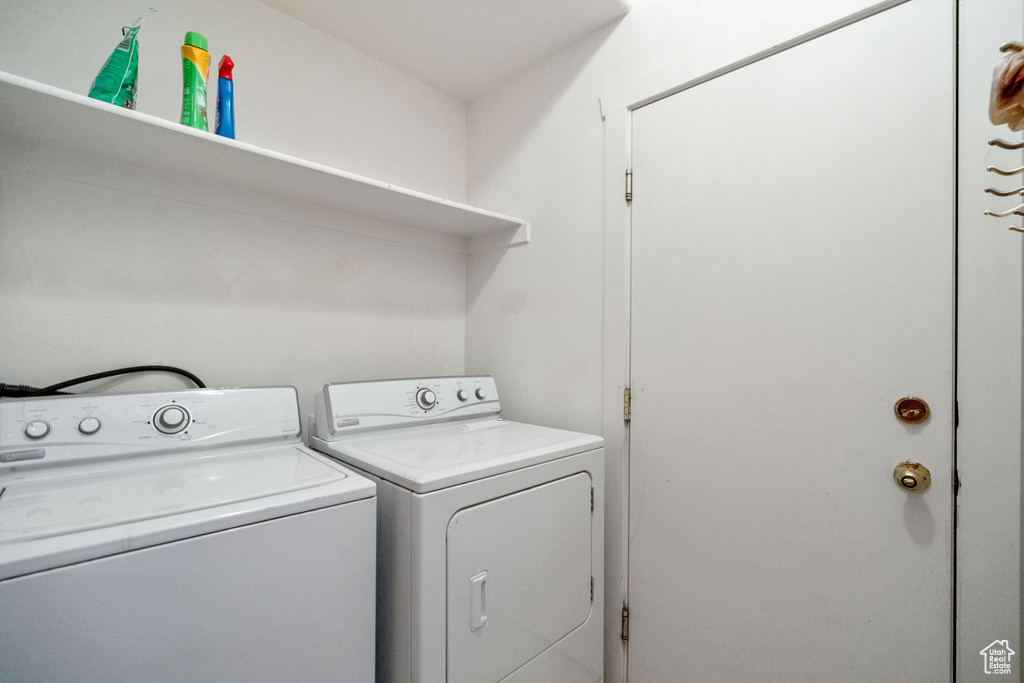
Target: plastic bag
{"points": [[117, 81]]}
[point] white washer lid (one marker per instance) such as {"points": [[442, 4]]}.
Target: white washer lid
{"points": [[432, 457], [66, 515]]}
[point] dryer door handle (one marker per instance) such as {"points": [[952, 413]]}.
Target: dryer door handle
{"points": [[478, 601]]}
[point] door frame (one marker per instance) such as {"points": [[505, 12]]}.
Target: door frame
{"points": [[617, 107]]}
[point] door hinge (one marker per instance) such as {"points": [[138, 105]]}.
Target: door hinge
{"points": [[591, 589], [591, 500], [625, 623], [629, 185], [627, 405]]}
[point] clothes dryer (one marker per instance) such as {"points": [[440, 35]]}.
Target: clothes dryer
{"points": [[490, 532], [180, 536]]}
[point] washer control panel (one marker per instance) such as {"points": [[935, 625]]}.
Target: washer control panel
{"points": [[359, 406], [81, 427]]}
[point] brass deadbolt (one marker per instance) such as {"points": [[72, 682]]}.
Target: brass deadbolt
{"points": [[912, 476], [912, 410]]}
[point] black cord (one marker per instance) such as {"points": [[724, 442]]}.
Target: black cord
{"points": [[55, 388], [19, 390]]}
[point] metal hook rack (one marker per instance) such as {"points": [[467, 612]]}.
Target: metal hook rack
{"points": [[1004, 144], [1019, 191]]}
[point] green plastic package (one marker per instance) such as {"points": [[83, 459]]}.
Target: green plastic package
{"points": [[117, 81]]}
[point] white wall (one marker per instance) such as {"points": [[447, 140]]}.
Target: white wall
{"points": [[535, 315], [97, 271]]}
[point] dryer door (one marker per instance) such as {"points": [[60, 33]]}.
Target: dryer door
{"points": [[519, 577]]}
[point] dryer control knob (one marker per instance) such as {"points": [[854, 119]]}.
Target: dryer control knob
{"points": [[481, 394], [462, 394], [426, 399], [171, 419]]}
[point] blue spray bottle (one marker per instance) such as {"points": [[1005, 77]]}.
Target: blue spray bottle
{"points": [[225, 99]]}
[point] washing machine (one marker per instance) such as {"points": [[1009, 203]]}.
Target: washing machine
{"points": [[180, 536], [490, 532]]}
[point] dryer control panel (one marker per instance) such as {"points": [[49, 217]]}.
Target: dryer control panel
{"points": [[81, 427], [360, 406]]}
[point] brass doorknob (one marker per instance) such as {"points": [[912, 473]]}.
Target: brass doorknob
{"points": [[912, 476]]}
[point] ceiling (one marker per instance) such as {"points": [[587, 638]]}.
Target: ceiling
{"points": [[462, 47]]}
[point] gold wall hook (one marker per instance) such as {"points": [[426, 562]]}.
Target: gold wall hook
{"points": [[1015, 211], [1000, 193], [1003, 171], [1006, 145]]}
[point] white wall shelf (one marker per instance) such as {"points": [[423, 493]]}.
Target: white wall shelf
{"points": [[38, 113]]}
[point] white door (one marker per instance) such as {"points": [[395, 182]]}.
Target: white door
{"points": [[792, 278], [519, 577]]}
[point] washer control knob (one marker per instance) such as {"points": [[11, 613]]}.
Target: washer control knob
{"points": [[481, 394], [426, 399], [462, 395], [89, 425], [37, 429], [171, 419]]}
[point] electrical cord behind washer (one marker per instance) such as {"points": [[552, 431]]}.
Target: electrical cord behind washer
{"points": [[54, 389]]}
